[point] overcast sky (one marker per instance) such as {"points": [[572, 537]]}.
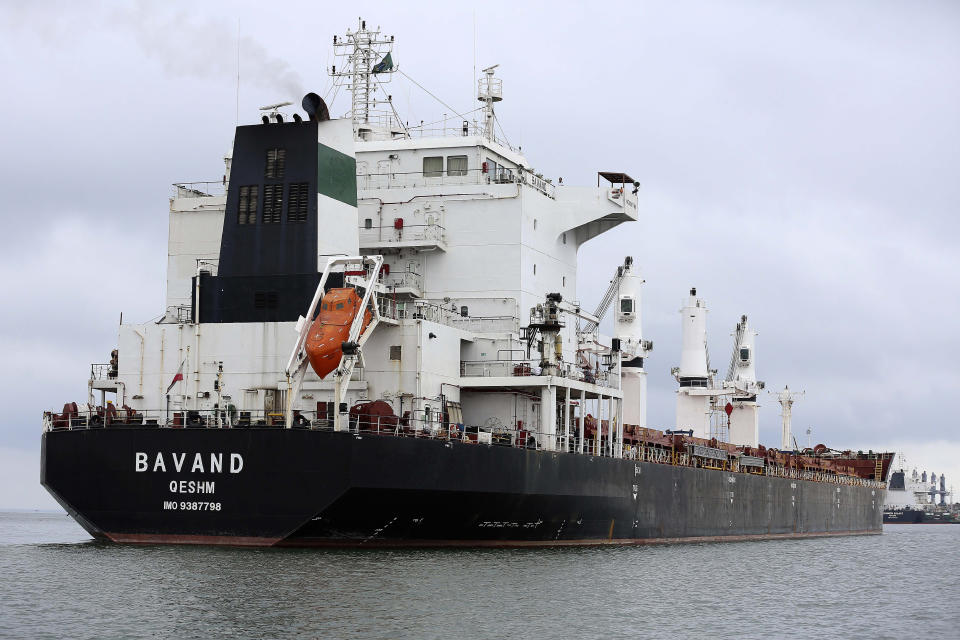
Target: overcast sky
{"points": [[799, 163]]}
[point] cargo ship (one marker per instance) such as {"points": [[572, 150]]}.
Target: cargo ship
{"points": [[373, 336], [914, 499]]}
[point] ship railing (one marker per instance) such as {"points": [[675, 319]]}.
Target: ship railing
{"points": [[430, 425], [180, 314], [202, 189], [403, 280], [387, 306], [486, 324], [90, 417], [523, 367], [408, 179], [454, 177], [425, 424], [102, 371], [384, 236], [421, 424], [443, 314], [425, 310], [500, 368], [379, 236], [454, 127]]}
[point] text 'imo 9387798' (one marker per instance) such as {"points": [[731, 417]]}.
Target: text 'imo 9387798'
{"points": [[373, 337]]}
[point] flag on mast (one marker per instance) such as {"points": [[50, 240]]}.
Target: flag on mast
{"points": [[178, 377], [384, 65]]}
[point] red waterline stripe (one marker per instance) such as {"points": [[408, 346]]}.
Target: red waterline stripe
{"points": [[152, 538], [250, 541], [303, 542]]}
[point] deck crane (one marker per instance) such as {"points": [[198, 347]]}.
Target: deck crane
{"points": [[628, 348], [627, 330], [741, 387], [608, 297]]}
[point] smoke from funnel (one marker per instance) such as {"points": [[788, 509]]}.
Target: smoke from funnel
{"points": [[207, 49]]}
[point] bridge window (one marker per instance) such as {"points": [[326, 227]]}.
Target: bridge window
{"points": [[745, 354], [272, 203], [433, 167], [298, 203], [247, 213], [276, 163], [456, 165]]}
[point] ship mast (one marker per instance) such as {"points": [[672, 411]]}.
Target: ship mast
{"points": [[489, 91], [367, 57], [786, 398]]}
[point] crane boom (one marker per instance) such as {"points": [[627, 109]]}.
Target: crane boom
{"points": [[608, 297]]}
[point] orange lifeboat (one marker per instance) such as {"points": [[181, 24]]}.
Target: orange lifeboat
{"points": [[332, 328]]}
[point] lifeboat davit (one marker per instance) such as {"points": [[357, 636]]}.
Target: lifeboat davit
{"points": [[331, 329]]}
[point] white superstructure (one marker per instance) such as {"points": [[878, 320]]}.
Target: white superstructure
{"points": [[472, 239], [918, 490], [478, 320]]}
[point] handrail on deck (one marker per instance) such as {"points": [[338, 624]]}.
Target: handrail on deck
{"points": [[201, 189], [435, 428]]}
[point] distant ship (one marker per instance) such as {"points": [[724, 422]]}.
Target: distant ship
{"points": [[373, 337], [915, 499]]}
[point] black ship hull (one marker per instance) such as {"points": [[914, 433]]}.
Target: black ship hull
{"points": [[263, 486], [918, 516]]}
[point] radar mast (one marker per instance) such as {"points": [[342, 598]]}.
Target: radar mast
{"points": [[489, 91], [367, 63], [786, 398]]}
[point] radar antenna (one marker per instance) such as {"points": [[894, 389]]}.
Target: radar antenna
{"points": [[274, 107], [271, 112]]}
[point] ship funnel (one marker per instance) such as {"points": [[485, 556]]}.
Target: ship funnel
{"points": [[315, 107]]}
